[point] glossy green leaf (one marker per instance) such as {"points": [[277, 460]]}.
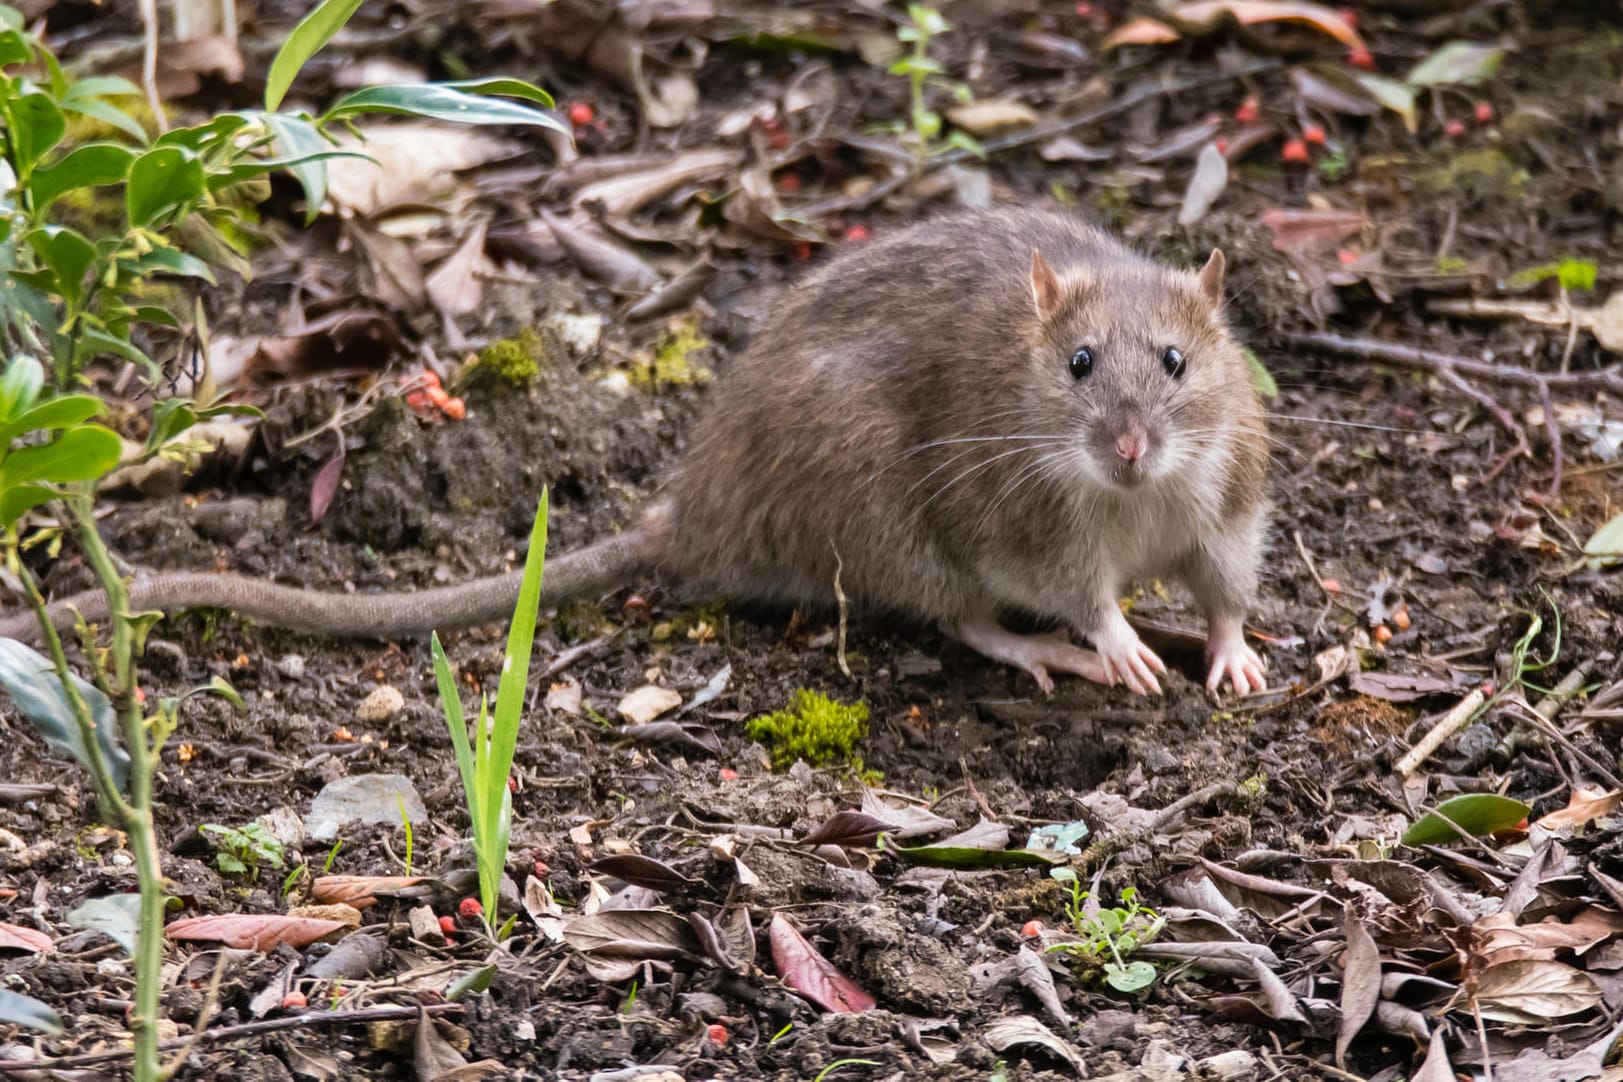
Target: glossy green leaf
{"points": [[306, 40], [436, 101], [93, 342], [69, 255], [85, 453], [37, 692], [1461, 63], [108, 114], [236, 174], [1393, 95], [502, 86], [170, 261], [199, 136], [148, 313], [14, 48], [1476, 813], [20, 1010], [63, 411], [470, 983], [84, 167], [20, 387], [17, 501], [297, 139], [1605, 547], [37, 125], [161, 180], [103, 86]]}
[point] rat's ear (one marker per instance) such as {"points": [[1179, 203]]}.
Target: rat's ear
{"points": [[1211, 278], [1045, 291]]}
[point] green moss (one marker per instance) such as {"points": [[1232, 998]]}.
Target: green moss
{"points": [[89, 129], [95, 212], [698, 624], [1111, 205], [580, 620], [1482, 172], [814, 728], [515, 361], [672, 364]]}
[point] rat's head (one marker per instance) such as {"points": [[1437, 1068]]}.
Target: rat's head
{"points": [[1136, 362]]}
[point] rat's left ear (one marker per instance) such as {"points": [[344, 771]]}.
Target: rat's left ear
{"points": [[1211, 278]]}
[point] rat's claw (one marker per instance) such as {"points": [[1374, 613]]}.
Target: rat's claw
{"points": [[1233, 660], [1133, 664]]}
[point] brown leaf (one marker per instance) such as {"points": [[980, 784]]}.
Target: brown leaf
{"points": [[1251, 12], [1295, 230], [853, 830], [629, 191], [809, 973], [14, 937], [396, 274], [633, 933], [992, 116], [325, 485], [348, 334], [412, 162], [1398, 687], [455, 286], [1436, 1068], [260, 932], [641, 871], [1140, 32], [599, 256], [1533, 993], [361, 891], [1360, 983], [1583, 806]]}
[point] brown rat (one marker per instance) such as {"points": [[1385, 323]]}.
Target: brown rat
{"points": [[986, 412]]}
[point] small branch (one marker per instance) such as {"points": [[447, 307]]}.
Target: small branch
{"points": [[1446, 726], [149, 61]]}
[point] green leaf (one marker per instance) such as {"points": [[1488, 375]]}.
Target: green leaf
{"points": [[470, 983], [93, 341], [1132, 977], [63, 411], [970, 857], [451, 703], [505, 87], [20, 1010], [1393, 95], [300, 140], [84, 167], [1605, 547], [37, 692], [1262, 380], [927, 19], [37, 125], [85, 453], [20, 387], [116, 916], [1462, 63], [15, 49], [170, 261], [18, 501], [103, 86], [917, 65], [108, 114], [161, 180], [69, 255], [306, 40], [200, 136], [437, 101], [236, 174], [1476, 813]]}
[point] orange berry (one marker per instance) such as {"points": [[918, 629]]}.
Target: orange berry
{"points": [[1383, 634], [1400, 619], [294, 1001], [1314, 134], [580, 113], [1249, 110], [454, 408], [1032, 929], [437, 395], [1294, 150], [1483, 112], [418, 401], [1362, 59], [430, 378]]}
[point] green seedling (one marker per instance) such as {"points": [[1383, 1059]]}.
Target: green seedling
{"points": [[242, 850], [405, 823], [839, 1063], [1107, 937], [922, 71]]}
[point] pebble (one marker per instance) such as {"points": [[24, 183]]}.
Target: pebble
{"points": [[382, 704], [291, 666]]}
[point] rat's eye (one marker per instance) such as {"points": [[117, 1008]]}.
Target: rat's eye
{"points": [[1082, 362], [1173, 362]]}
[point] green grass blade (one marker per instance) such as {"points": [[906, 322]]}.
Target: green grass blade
{"points": [[307, 39], [451, 703]]}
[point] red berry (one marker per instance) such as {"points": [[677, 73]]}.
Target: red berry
{"points": [[581, 114], [448, 925], [1314, 134], [1249, 110], [1331, 586], [1453, 128], [542, 869], [1362, 59], [729, 774], [469, 909], [1294, 150], [1084, 9], [858, 233], [454, 408], [294, 1001], [803, 251], [789, 182], [1346, 257], [1032, 929], [1222, 145], [1484, 112]]}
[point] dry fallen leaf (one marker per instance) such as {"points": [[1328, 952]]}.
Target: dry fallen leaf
{"points": [[1534, 992], [1251, 12], [260, 932], [456, 287], [1584, 806], [411, 163], [647, 703], [17, 938], [809, 973], [361, 891], [992, 116]]}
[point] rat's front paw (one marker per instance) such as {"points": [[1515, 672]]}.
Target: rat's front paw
{"points": [[1232, 660], [1127, 660]]}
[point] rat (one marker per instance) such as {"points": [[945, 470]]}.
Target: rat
{"points": [[986, 412]]}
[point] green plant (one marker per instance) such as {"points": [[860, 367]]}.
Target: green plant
{"points": [[837, 1064], [922, 70], [1106, 937], [814, 728], [405, 823], [487, 765], [187, 194], [241, 850]]}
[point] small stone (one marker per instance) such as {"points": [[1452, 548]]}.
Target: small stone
{"points": [[291, 666], [425, 926], [381, 705]]}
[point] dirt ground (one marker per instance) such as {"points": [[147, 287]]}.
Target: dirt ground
{"points": [[1383, 525]]}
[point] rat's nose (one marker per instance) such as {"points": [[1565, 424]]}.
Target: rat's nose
{"points": [[1130, 445]]}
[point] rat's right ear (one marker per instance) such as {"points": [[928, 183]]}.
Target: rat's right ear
{"points": [[1045, 291]]}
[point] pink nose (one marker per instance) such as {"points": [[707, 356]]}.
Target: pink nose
{"points": [[1130, 446]]}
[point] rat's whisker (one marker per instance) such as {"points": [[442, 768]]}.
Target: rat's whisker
{"points": [[979, 466], [1342, 424]]}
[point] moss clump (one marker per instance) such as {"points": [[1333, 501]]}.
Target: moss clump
{"points": [[672, 364], [95, 212], [517, 360], [814, 728]]}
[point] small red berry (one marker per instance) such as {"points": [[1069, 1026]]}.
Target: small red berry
{"points": [[729, 774], [717, 1032], [1346, 256], [1031, 929], [294, 1001], [581, 114], [803, 251], [1331, 586], [542, 869], [1362, 59], [1084, 9], [1314, 134], [789, 182], [1453, 128], [1222, 145], [1249, 110], [858, 233], [469, 909], [448, 925], [1484, 112], [1294, 150]]}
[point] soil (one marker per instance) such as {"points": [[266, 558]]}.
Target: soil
{"points": [[1380, 502]]}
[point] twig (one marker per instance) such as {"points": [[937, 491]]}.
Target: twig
{"points": [[839, 597], [231, 1033], [1172, 811], [1447, 726], [1506, 420], [149, 61], [1124, 104]]}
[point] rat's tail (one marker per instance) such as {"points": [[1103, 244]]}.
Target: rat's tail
{"points": [[593, 570]]}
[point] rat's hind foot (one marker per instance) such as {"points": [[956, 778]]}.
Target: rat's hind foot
{"points": [[1231, 659], [1035, 654]]}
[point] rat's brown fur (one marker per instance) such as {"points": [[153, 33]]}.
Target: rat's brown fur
{"points": [[908, 415]]}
